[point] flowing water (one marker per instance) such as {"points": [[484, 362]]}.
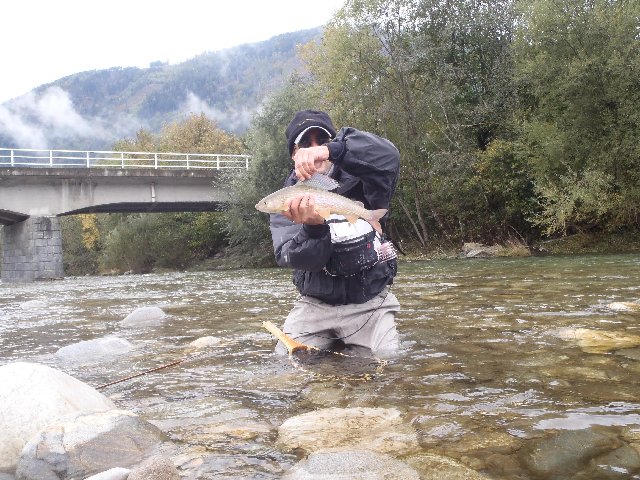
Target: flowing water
{"points": [[482, 369]]}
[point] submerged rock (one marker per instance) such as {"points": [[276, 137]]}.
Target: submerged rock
{"points": [[438, 467], [351, 465], [376, 429], [33, 396], [156, 468], [596, 341], [87, 444], [117, 473], [624, 307], [94, 350], [204, 342], [567, 452], [144, 317]]}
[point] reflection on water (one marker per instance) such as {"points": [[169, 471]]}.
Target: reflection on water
{"points": [[481, 357]]}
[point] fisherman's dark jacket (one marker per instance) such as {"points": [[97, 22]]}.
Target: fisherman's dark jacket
{"points": [[367, 167]]}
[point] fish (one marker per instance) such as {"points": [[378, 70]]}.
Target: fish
{"points": [[326, 202]]}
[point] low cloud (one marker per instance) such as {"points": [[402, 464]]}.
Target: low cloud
{"points": [[49, 121], [234, 121]]}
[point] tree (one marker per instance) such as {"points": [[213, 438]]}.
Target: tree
{"points": [[578, 67], [423, 74], [247, 229]]}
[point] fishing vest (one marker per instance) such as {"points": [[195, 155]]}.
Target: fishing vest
{"points": [[356, 247]]}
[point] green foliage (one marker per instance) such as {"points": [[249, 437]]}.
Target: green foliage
{"points": [[573, 200], [578, 66], [505, 181], [79, 258], [512, 118], [247, 229], [433, 79], [143, 242]]}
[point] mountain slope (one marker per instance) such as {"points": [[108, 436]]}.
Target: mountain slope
{"points": [[91, 110]]}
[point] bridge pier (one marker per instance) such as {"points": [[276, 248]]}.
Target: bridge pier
{"points": [[32, 250]]}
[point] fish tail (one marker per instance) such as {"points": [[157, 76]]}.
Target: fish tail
{"points": [[378, 214], [374, 219]]}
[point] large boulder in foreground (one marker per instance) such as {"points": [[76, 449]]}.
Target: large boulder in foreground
{"points": [[376, 429], [87, 444], [33, 396]]}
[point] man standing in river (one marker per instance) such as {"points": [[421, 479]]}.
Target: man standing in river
{"points": [[342, 270]]}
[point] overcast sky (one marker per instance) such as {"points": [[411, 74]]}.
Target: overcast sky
{"points": [[44, 40]]}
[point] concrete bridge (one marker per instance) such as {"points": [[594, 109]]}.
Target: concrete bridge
{"points": [[37, 187]]}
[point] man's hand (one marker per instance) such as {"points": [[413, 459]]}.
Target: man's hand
{"points": [[309, 160], [301, 209]]}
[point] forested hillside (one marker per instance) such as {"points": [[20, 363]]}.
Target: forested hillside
{"points": [[94, 109]]}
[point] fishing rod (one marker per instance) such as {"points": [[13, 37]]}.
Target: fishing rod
{"points": [[161, 367]]}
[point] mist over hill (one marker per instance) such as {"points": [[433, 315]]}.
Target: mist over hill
{"points": [[93, 109]]}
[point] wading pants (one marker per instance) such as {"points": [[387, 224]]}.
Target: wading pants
{"points": [[370, 325]]}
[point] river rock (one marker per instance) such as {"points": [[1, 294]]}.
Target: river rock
{"points": [[33, 396], [156, 468], [614, 465], [117, 473], [597, 341], [567, 452], [478, 250], [94, 350], [624, 307], [351, 465], [377, 429], [144, 317], [438, 467], [204, 342], [33, 305], [87, 444]]}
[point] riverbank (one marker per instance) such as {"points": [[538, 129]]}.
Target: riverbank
{"points": [[578, 244]]}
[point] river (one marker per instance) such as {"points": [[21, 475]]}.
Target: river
{"points": [[483, 366]]}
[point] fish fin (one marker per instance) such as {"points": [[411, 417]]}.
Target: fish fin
{"points": [[323, 212], [351, 218], [318, 180], [360, 204]]}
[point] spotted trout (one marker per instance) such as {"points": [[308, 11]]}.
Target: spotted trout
{"points": [[326, 202]]}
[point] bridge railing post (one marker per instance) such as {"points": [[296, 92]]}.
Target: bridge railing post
{"points": [[187, 161], [122, 159], [51, 158], [12, 159], [155, 160], [88, 162]]}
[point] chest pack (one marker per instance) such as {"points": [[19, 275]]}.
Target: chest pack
{"points": [[356, 247]]}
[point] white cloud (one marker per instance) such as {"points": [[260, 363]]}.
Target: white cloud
{"points": [[36, 121], [234, 121]]}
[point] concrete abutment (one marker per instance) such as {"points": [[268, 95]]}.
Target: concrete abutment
{"points": [[32, 250]]}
